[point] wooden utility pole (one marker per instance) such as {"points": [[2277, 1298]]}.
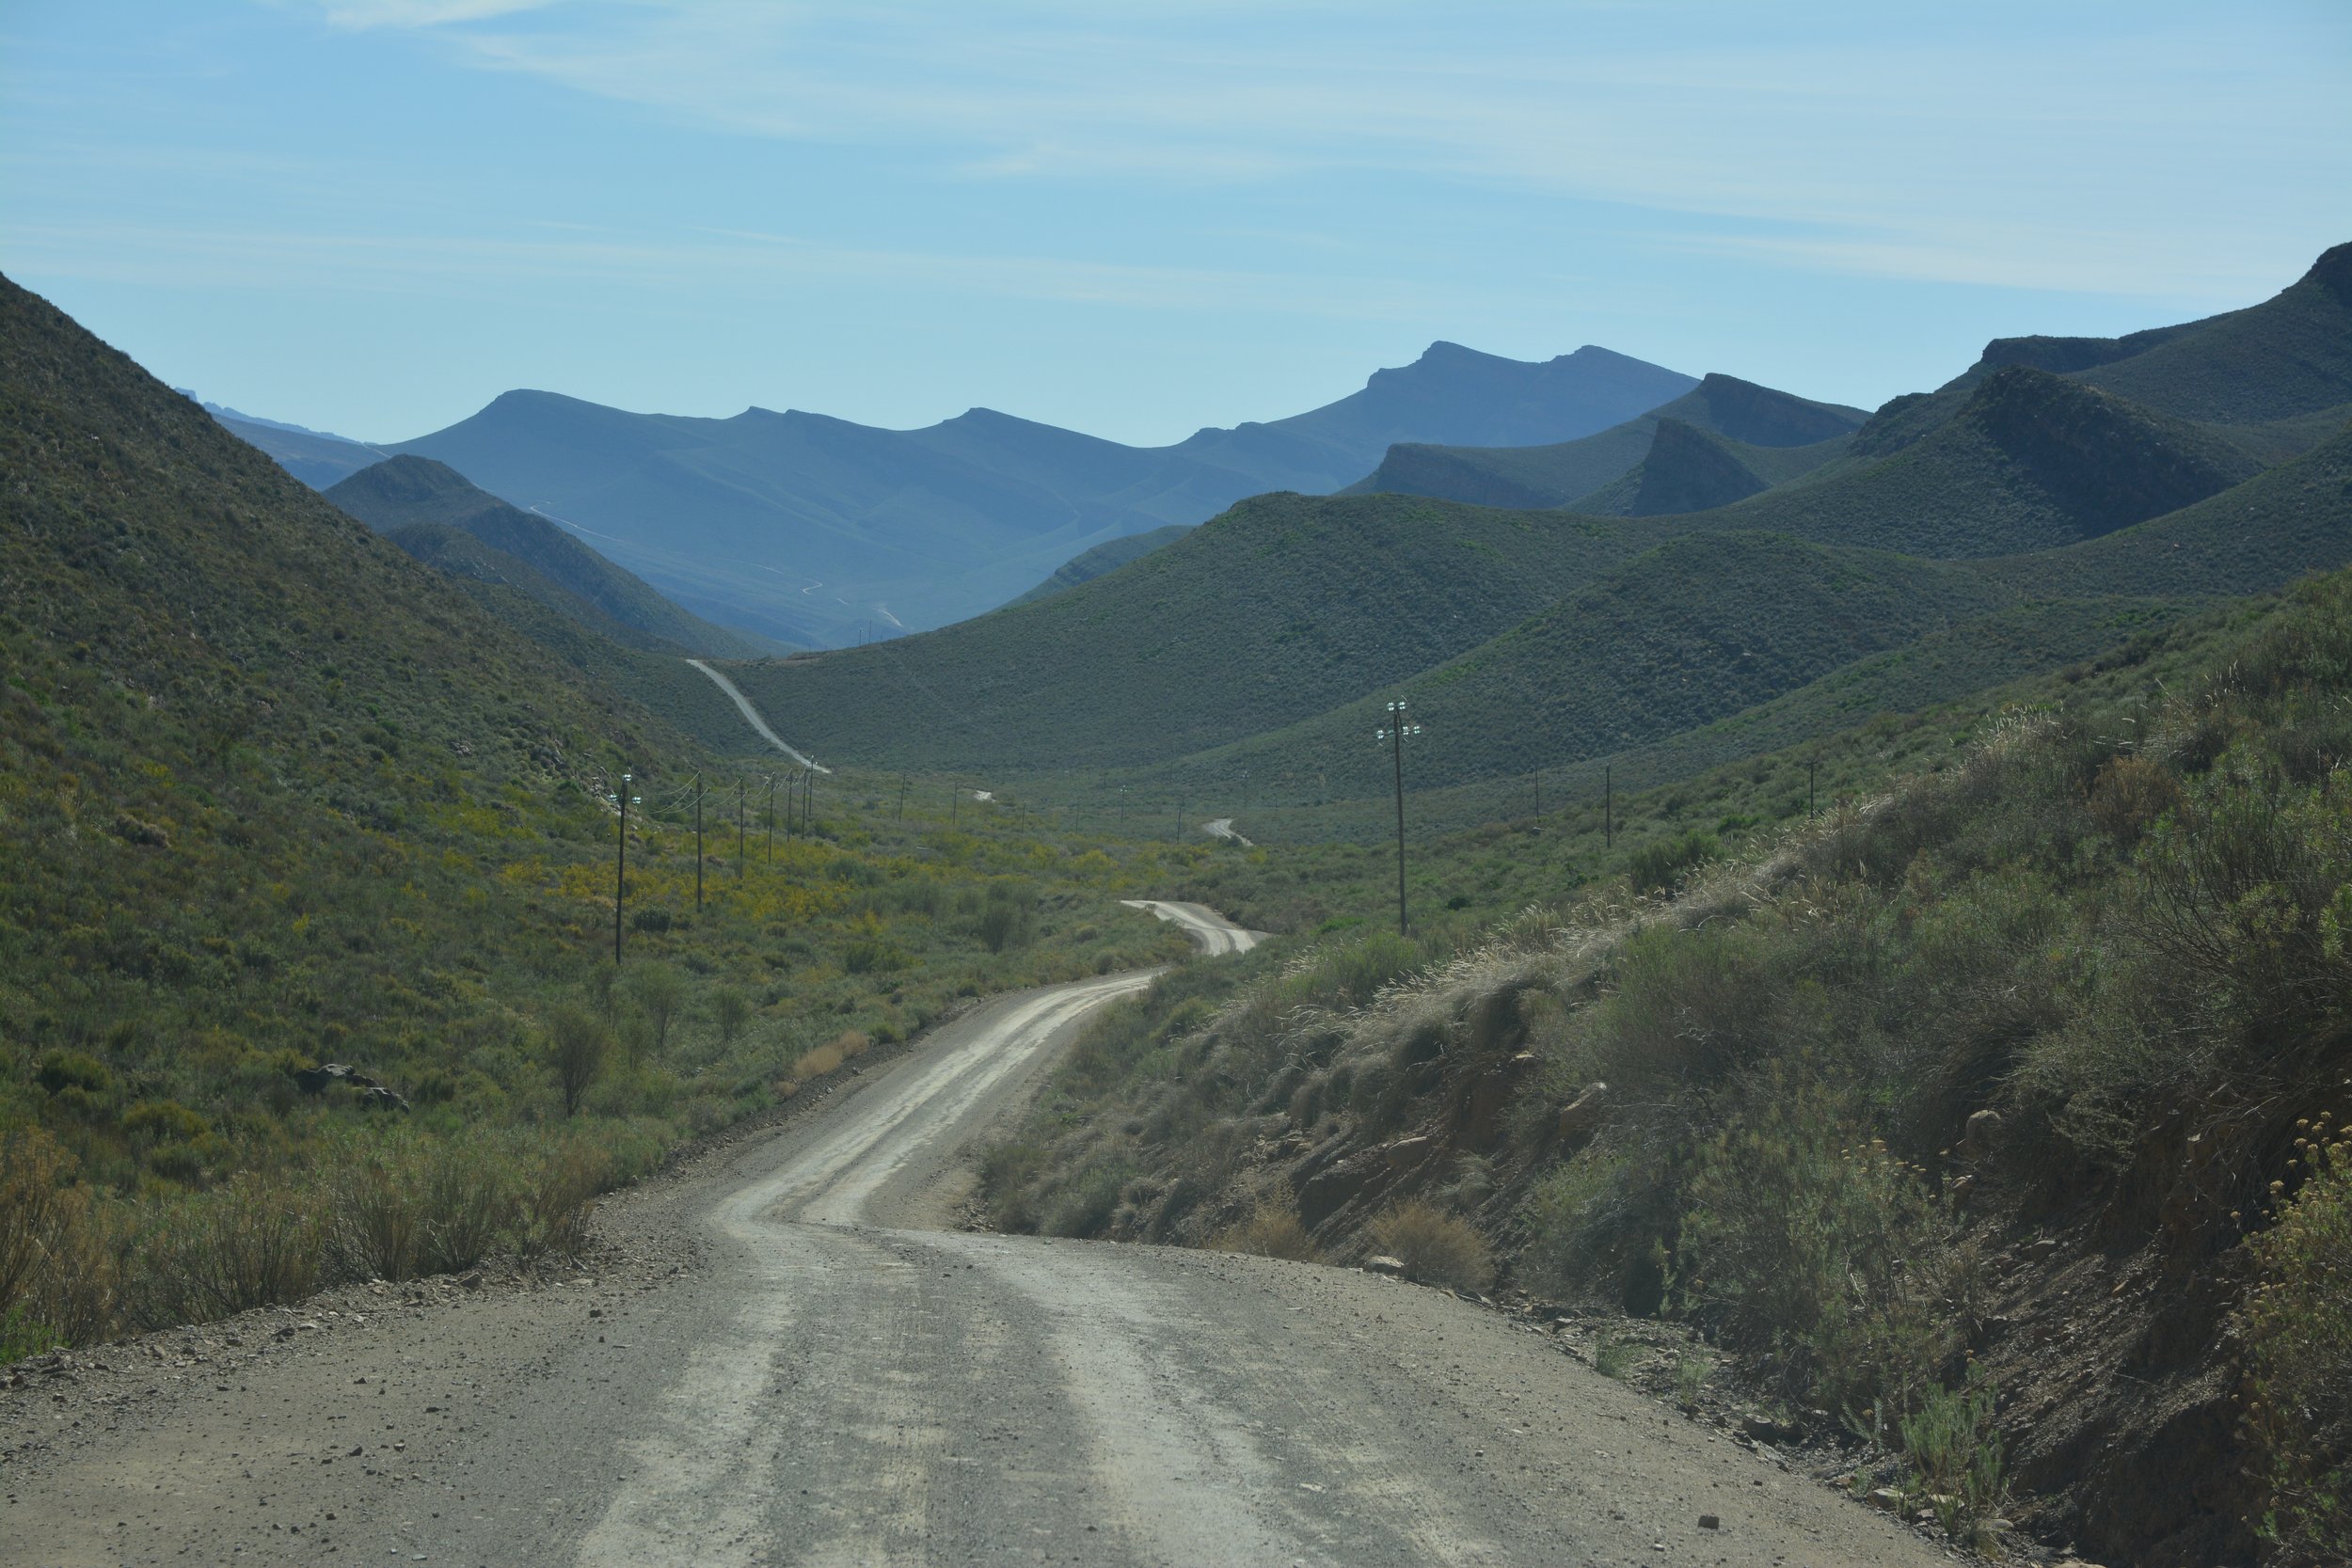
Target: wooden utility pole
{"points": [[771, 820], [739, 830], [698, 840], [1608, 807], [620, 870]]}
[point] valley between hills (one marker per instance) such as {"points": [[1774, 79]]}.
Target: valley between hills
{"points": [[1829, 1044]]}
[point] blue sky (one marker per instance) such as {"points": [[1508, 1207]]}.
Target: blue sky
{"points": [[1138, 218]]}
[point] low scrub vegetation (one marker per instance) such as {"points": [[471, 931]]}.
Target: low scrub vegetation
{"points": [[1436, 1247]]}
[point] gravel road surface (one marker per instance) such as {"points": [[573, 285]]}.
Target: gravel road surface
{"points": [[786, 1357]]}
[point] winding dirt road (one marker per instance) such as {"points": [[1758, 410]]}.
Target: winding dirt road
{"points": [[831, 1377]]}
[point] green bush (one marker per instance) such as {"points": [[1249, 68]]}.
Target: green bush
{"points": [[1953, 1452], [1656, 866], [61, 1070], [2297, 1330]]}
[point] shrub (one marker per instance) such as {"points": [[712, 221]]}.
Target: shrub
{"points": [[378, 1231], [1953, 1453], [2297, 1329], [1809, 1239], [463, 1189], [1005, 922], [557, 1188], [23, 1334], [61, 1071], [870, 956], [1087, 1204], [256, 1240], [1434, 1246], [661, 990], [1657, 866], [1008, 1173], [577, 1042], [731, 1010], [1272, 1230], [155, 1121]]}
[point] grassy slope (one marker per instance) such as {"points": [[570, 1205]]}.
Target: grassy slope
{"points": [[1683, 636], [610, 656], [1283, 607]]}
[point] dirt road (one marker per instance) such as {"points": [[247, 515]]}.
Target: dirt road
{"points": [[828, 1379], [753, 717]]}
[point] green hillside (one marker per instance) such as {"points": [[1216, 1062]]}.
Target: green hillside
{"points": [[1665, 660], [1561, 473], [1689, 633], [2030, 461], [2269, 379], [1092, 563], [530, 554], [2290, 354], [1283, 607], [275, 794]]}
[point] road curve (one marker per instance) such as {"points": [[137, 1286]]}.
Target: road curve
{"points": [[841, 1381], [752, 716], [1215, 935]]}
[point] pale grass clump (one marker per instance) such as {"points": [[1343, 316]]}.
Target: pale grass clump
{"points": [[1436, 1247], [1272, 1230]]}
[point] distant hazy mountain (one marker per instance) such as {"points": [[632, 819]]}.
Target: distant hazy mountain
{"points": [[1566, 472], [798, 526], [316, 457], [430, 510]]}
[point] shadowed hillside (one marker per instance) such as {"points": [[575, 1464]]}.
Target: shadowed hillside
{"points": [[527, 552], [1101, 558], [1564, 473], [2030, 461]]}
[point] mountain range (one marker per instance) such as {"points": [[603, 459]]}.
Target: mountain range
{"points": [[804, 527], [2050, 499]]}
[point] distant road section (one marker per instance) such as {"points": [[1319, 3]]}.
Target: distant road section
{"points": [[1213, 931], [751, 716]]}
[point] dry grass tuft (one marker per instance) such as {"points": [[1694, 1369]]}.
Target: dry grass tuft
{"points": [[1272, 1230], [1436, 1247]]}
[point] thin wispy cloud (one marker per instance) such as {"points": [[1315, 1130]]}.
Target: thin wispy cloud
{"points": [[1898, 162], [776, 264]]}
